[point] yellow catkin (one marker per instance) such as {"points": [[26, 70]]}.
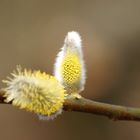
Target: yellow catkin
{"points": [[35, 92], [69, 66]]}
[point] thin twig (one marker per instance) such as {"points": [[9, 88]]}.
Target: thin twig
{"points": [[114, 112]]}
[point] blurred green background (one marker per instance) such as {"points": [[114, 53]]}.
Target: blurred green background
{"points": [[31, 34]]}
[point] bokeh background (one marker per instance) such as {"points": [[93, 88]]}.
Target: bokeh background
{"points": [[31, 34]]}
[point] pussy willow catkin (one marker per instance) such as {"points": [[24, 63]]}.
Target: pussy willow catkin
{"points": [[69, 67], [35, 91]]}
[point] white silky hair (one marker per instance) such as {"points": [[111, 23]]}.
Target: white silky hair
{"points": [[72, 43], [51, 117]]}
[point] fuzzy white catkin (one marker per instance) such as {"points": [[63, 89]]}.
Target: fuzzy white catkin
{"points": [[36, 92], [69, 66]]}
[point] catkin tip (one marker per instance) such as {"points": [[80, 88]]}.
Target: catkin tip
{"points": [[73, 38]]}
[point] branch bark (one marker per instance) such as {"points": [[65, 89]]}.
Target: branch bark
{"points": [[114, 112]]}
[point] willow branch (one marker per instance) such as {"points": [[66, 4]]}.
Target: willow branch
{"points": [[114, 112]]}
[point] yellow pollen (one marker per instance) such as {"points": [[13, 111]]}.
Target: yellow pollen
{"points": [[71, 68]]}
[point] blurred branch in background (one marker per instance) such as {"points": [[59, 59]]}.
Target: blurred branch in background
{"points": [[114, 112]]}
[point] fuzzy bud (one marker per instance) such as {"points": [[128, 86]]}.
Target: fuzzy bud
{"points": [[69, 67]]}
